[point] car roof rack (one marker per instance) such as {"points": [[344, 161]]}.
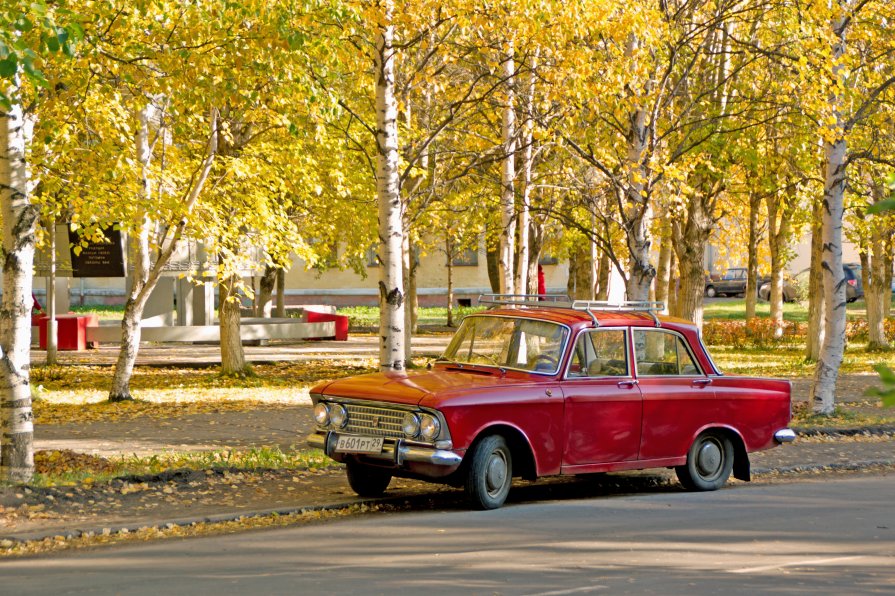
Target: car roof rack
{"points": [[542, 300], [650, 308], [564, 301]]}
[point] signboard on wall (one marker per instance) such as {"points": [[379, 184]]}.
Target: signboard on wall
{"points": [[98, 259]]}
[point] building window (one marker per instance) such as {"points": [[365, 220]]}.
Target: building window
{"points": [[371, 256], [466, 258], [548, 260]]}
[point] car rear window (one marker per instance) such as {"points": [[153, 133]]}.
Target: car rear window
{"points": [[661, 353]]}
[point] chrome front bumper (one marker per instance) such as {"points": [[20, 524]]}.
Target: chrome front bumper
{"points": [[785, 435], [395, 451]]}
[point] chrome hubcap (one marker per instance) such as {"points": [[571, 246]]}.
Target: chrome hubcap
{"points": [[709, 461], [496, 476]]}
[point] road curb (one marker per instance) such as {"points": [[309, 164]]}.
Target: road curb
{"points": [[877, 430], [833, 467], [183, 522]]}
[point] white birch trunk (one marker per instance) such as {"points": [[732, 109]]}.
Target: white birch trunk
{"points": [[449, 255], [816, 328], [392, 348], [146, 275], [19, 222], [507, 177], [663, 269], [638, 214], [523, 266], [136, 301], [779, 217], [877, 292], [823, 390], [752, 265]]}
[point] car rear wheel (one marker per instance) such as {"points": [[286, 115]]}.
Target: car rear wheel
{"points": [[490, 473], [711, 292], [368, 481], [709, 463]]}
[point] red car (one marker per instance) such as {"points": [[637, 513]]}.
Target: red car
{"points": [[535, 389]]}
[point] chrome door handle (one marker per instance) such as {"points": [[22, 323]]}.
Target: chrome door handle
{"points": [[702, 381], [630, 383]]}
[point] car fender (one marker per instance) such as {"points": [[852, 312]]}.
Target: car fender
{"points": [[741, 466], [533, 465]]}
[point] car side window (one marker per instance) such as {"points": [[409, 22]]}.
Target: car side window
{"points": [[660, 353], [600, 353]]}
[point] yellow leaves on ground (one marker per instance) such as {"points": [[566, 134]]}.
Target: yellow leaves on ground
{"points": [[46, 412], [56, 463], [69, 395]]}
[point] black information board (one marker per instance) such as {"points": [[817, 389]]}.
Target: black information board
{"points": [[98, 259]]}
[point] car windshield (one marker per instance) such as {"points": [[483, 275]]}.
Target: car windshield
{"points": [[508, 342]]}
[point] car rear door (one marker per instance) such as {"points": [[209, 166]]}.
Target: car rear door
{"points": [[678, 398]]}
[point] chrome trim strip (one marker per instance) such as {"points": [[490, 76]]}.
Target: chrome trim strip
{"points": [[573, 344], [785, 435]]}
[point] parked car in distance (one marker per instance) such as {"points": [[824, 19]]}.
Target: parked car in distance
{"points": [[795, 288], [530, 389], [732, 283]]}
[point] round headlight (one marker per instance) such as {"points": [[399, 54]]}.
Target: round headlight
{"points": [[338, 415], [321, 414], [429, 427], [411, 425]]}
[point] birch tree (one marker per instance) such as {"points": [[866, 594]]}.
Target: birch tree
{"points": [[27, 36], [19, 218], [392, 346], [846, 34]]}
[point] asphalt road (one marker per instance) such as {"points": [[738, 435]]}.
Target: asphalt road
{"points": [[832, 535]]}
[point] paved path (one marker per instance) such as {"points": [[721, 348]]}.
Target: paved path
{"points": [[358, 347]]}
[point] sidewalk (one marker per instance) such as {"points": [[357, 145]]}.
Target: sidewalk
{"points": [[358, 347]]}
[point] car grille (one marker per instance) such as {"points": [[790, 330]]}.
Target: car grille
{"points": [[372, 420]]}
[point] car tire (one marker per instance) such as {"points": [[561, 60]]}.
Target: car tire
{"points": [[709, 463], [368, 481], [711, 292], [490, 473]]}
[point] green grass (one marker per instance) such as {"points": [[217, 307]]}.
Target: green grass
{"points": [[735, 310], [368, 316], [105, 312], [797, 311]]}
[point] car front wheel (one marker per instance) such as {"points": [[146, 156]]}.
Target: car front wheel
{"points": [[490, 473], [368, 481], [711, 292], [709, 463]]}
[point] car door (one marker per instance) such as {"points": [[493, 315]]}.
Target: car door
{"points": [[603, 408], [677, 395]]}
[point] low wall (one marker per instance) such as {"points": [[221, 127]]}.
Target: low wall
{"points": [[250, 330]]}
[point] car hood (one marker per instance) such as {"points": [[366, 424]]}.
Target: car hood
{"points": [[412, 387]]}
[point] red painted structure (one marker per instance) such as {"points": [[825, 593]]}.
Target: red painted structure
{"points": [[72, 331], [341, 323]]}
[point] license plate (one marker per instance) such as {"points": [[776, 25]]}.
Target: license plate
{"points": [[355, 444]]}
